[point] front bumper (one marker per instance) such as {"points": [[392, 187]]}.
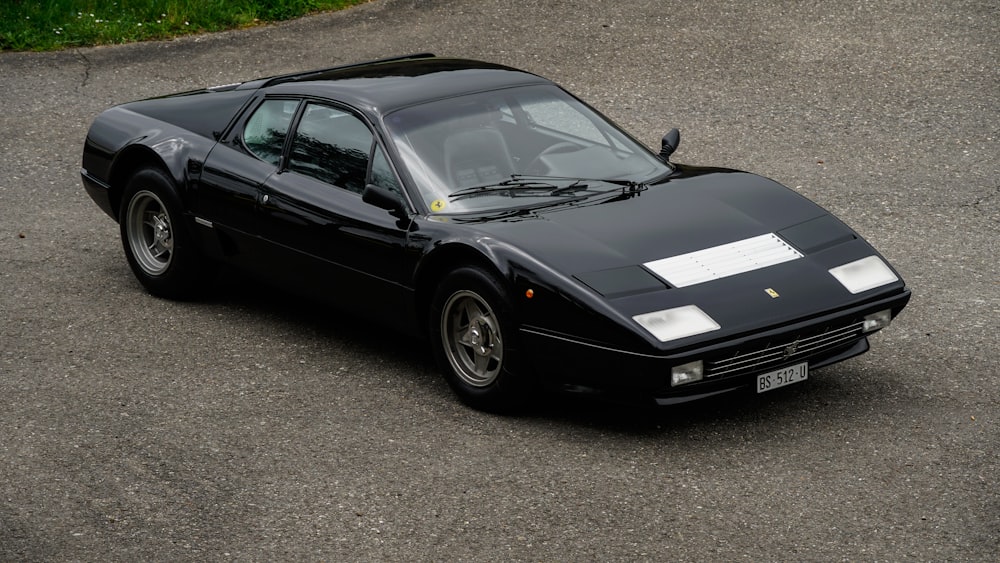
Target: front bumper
{"points": [[730, 364]]}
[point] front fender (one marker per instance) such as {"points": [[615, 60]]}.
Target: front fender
{"points": [[544, 298]]}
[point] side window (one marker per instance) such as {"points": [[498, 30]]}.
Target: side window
{"points": [[332, 146], [266, 129]]}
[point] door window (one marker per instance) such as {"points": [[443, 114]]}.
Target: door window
{"points": [[382, 175], [332, 146]]}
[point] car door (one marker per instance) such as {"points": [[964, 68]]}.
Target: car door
{"points": [[329, 240], [226, 199]]}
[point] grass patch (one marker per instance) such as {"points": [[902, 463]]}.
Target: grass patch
{"points": [[46, 25]]}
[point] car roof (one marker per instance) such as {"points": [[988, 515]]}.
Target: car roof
{"points": [[380, 87]]}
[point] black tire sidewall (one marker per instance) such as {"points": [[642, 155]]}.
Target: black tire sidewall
{"points": [[508, 390]]}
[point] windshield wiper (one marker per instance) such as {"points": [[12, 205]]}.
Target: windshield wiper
{"points": [[628, 186], [521, 182], [512, 185]]}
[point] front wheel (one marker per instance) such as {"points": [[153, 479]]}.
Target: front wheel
{"points": [[473, 337], [161, 252]]}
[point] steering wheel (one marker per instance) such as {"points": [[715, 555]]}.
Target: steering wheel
{"points": [[536, 165]]}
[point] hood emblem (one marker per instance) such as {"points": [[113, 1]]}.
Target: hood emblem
{"points": [[791, 349], [772, 293]]}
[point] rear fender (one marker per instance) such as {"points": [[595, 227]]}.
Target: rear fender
{"points": [[121, 141]]}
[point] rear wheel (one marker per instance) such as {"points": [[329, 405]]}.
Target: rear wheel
{"points": [[160, 251], [473, 337]]}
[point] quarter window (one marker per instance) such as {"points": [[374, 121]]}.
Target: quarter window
{"points": [[332, 146], [267, 128]]}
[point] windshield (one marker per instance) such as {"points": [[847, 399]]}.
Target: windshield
{"points": [[517, 147]]}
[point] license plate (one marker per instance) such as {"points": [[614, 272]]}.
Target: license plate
{"points": [[781, 377]]}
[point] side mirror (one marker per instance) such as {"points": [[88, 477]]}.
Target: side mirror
{"points": [[384, 198], [670, 142]]}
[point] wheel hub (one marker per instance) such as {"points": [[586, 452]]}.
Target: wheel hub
{"points": [[479, 337], [161, 232]]}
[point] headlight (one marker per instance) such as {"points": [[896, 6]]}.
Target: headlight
{"points": [[671, 324], [862, 275], [687, 373]]}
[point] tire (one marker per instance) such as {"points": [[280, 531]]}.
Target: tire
{"points": [[473, 335], [160, 249]]}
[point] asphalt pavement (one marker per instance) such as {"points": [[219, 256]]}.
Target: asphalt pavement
{"points": [[253, 425]]}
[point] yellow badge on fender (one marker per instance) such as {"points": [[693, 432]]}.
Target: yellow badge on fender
{"points": [[438, 205], [772, 293]]}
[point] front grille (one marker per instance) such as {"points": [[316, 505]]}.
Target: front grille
{"points": [[761, 355]]}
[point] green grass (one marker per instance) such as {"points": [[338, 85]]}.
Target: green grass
{"points": [[46, 25]]}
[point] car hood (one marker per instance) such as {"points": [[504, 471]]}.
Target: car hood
{"points": [[609, 250], [693, 210]]}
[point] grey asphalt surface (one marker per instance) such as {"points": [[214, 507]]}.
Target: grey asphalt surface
{"points": [[256, 426]]}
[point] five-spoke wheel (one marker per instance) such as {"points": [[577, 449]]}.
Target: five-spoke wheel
{"points": [[149, 232], [160, 250], [473, 340], [473, 330]]}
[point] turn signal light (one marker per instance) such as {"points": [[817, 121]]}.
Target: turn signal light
{"points": [[687, 373], [877, 321]]}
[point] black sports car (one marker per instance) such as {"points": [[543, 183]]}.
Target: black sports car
{"points": [[528, 237]]}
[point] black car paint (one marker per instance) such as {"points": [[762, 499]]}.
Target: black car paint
{"points": [[360, 257]]}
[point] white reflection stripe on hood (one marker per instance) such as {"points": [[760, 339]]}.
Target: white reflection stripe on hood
{"points": [[724, 260]]}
